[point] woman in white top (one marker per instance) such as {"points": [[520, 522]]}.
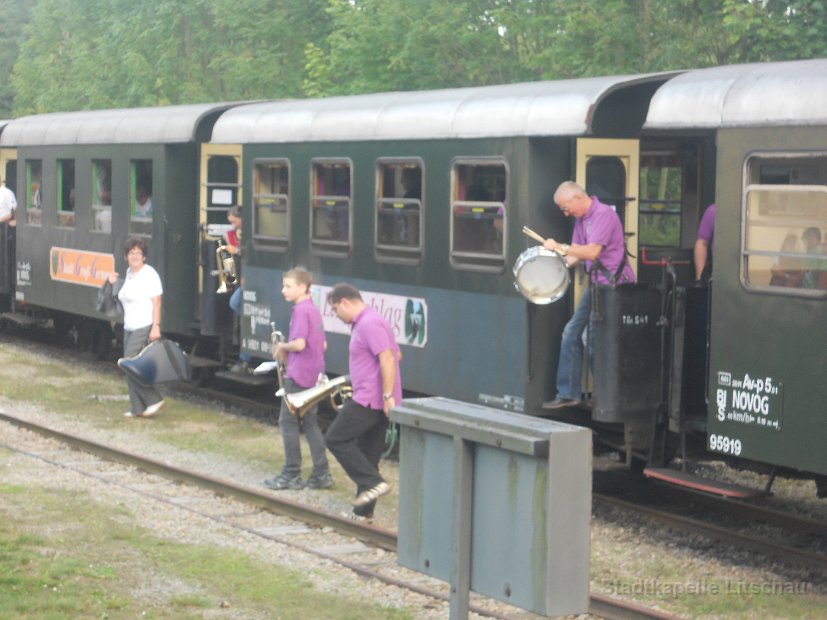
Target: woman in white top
{"points": [[140, 296]]}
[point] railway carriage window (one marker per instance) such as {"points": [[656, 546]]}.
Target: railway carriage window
{"points": [[478, 214], [66, 192], [330, 206], [223, 188], [398, 231], [102, 195], [785, 215], [140, 188], [34, 176], [661, 191], [271, 197]]}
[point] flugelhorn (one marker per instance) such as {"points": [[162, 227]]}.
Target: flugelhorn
{"points": [[277, 337], [299, 402], [227, 274]]}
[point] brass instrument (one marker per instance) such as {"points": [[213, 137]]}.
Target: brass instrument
{"points": [[226, 271], [299, 402], [277, 337]]}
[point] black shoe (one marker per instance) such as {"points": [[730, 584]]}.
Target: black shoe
{"points": [[562, 403], [285, 483], [323, 481]]}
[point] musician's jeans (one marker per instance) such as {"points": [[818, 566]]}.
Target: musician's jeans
{"points": [[291, 428], [570, 367], [357, 439], [140, 397]]}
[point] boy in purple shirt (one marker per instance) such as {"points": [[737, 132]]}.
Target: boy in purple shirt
{"points": [[598, 240], [304, 355], [357, 436]]}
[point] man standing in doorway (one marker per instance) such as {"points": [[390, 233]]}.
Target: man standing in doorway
{"points": [[598, 241]]}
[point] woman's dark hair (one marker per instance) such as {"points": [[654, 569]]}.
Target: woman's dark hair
{"points": [[135, 242]]}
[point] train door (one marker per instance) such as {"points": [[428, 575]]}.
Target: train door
{"points": [[609, 170], [220, 191], [8, 172]]}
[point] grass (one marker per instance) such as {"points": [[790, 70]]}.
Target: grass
{"points": [[65, 555]]}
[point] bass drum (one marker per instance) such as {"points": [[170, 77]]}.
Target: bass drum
{"points": [[541, 275]]}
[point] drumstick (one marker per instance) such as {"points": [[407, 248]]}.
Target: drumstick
{"points": [[532, 234]]}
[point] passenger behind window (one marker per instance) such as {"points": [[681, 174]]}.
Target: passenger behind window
{"points": [[815, 269], [143, 202]]}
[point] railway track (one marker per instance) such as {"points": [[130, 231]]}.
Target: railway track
{"points": [[355, 554], [786, 536]]}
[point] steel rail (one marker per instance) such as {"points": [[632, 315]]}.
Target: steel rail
{"points": [[722, 534], [599, 604]]}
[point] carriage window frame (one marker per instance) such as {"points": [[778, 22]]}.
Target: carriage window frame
{"points": [[783, 281], [34, 192], [332, 247], [141, 225], [274, 202], [661, 207], [214, 212], [399, 253], [66, 195], [489, 262], [101, 221]]}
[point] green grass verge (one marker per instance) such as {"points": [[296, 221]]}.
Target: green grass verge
{"points": [[64, 555]]}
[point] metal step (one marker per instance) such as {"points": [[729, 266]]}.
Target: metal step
{"points": [[245, 378], [23, 320], [714, 487]]}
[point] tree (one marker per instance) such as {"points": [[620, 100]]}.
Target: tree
{"points": [[15, 15]]}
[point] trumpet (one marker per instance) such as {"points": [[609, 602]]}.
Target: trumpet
{"points": [[338, 390], [227, 274], [277, 337]]}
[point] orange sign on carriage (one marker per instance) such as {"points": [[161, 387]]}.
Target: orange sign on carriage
{"points": [[79, 266]]}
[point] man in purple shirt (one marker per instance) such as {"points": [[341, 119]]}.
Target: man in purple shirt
{"points": [[703, 244], [304, 355], [357, 436], [598, 241]]}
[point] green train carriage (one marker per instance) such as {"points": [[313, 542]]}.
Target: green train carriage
{"points": [[767, 364], [322, 182], [79, 175]]}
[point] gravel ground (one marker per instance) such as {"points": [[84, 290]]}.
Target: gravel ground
{"points": [[629, 559]]}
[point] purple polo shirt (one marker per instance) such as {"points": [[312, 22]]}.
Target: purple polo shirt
{"points": [[601, 225], [304, 366], [371, 335], [706, 229]]}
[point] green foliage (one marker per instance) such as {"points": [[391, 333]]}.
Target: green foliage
{"points": [[84, 54]]}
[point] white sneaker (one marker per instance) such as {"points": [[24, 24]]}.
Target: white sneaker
{"points": [[129, 414], [153, 409], [365, 497]]}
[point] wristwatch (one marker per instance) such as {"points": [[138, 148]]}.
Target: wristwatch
{"points": [[387, 396], [564, 249]]}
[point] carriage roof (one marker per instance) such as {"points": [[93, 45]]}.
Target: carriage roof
{"points": [[562, 107], [781, 93], [168, 124]]}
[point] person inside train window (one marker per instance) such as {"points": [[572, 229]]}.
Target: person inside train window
{"points": [[815, 268], [143, 202], [102, 200], [787, 270], [8, 205], [232, 241], [702, 253], [598, 241]]}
